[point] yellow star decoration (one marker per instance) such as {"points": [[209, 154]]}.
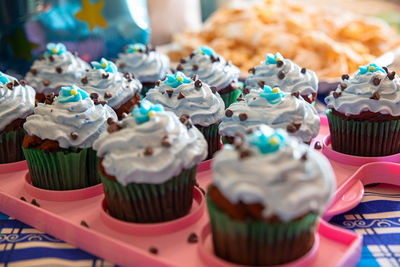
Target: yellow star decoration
{"points": [[91, 13]]}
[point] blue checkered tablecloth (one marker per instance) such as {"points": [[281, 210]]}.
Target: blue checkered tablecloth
{"points": [[377, 218]]}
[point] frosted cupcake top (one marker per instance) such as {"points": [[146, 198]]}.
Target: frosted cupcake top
{"points": [[269, 167], [72, 119], [17, 100], [108, 84], [277, 71], [372, 89], [151, 146], [144, 61], [274, 108], [182, 95], [211, 68], [58, 67]]}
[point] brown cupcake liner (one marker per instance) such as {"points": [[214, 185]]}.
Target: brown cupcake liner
{"points": [[11, 146]]}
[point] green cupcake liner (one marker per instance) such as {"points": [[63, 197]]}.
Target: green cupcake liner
{"points": [[11, 146], [211, 134], [231, 97], [150, 203], [62, 170], [260, 243], [364, 138]]}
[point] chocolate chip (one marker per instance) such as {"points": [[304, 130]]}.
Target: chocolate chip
{"points": [[304, 156], [192, 238], [228, 113], [51, 58], [252, 70], [84, 224], [183, 61], [337, 94], [59, 69], [317, 145], [242, 116], [110, 120], [240, 98], [122, 65], [51, 110], [254, 98], [128, 76], [49, 98], [33, 71], [376, 81], [179, 67], [153, 250], [74, 135], [261, 84], [185, 120], [114, 127], [107, 95], [214, 58], [375, 96], [195, 67], [391, 75], [303, 70], [87, 70], [157, 83], [16, 83], [386, 69], [166, 142], [195, 77], [133, 75], [103, 102], [343, 86], [296, 94], [148, 151], [192, 55], [84, 80], [35, 203], [198, 84], [180, 96], [245, 154], [213, 89], [297, 124], [10, 85], [169, 92], [105, 75], [290, 128], [345, 77], [23, 82], [246, 90], [279, 63], [22, 198], [94, 96], [46, 82], [281, 75]]}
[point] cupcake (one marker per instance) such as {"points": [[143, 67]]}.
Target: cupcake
{"points": [[274, 108], [364, 113], [148, 165], [105, 84], [17, 101], [213, 70], [59, 138], [147, 64], [57, 67], [267, 194], [277, 71], [191, 97]]}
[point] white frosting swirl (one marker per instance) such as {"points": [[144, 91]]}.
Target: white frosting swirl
{"points": [[356, 97], [286, 185], [218, 73], [280, 115], [203, 107], [123, 151], [294, 80], [147, 67], [15, 103], [73, 68], [120, 88], [58, 120]]}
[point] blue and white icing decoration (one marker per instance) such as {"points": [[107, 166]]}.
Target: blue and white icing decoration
{"points": [[17, 103], [279, 178], [55, 49], [174, 80], [273, 59], [72, 112], [370, 68], [105, 65], [137, 47], [146, 110], [205, 50], [272, 95]]}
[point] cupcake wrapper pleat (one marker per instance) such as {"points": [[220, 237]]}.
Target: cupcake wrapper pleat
{"points": [[212, 137], [62, 170], [260, 243], [150, 203], [11, 146]]}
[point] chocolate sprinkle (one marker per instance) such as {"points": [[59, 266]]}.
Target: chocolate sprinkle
{"points": [[297, 124], [110, 120], [281, 75], [180, 96], [169, 92], [166, 142], [195, 77], [16, 83], [240, 98], [304, 157], [35, 203], [345, 77], [261, 84], [105, 75], [214, 58], [49, 98], [375, 96], [291, 128], [46, 82], [51, 58], [157, 83], [107, 95], [23, 82], [148, 151], [376, 81], [103, 102], [192, 55], [183, 60], [192, 238], [84, 224], [128, 76], [22, 198], [84, 80], [343, 86], [10, 85], [74, 135], [195, 67], [185, 120], [246, 90], [386, 69], [153, 250], [59, 69], [303, 70], [337, 94], [242, 116], [94, 96], [252, 70], [391, 75], [198, 84], [279, 63], [213, 89], [245, 154], [296, 94], [179, 67], [228, 113], [122, 65], [317, 145], [33, 71]]}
